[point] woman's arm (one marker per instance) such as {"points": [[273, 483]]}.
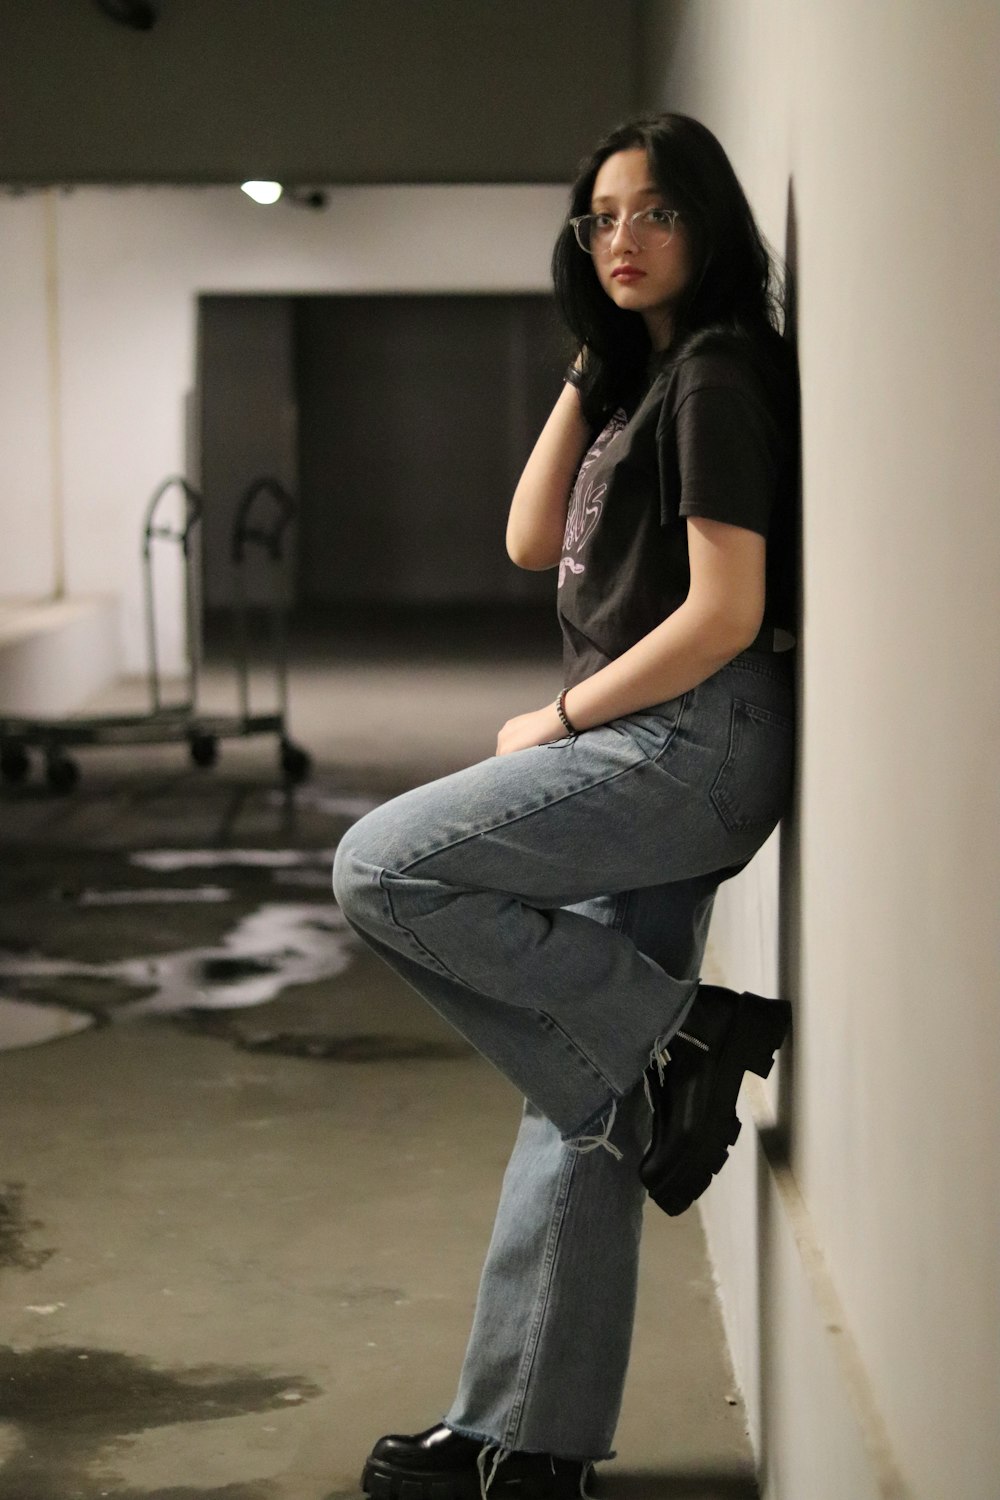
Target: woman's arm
{"points": [[719, 618], [537, 517]]}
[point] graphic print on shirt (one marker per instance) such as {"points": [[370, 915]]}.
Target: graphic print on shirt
{"points": [[587, 500]]}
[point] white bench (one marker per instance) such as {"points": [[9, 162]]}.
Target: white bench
{"points": [[54, 655]]}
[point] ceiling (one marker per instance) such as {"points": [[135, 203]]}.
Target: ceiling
{"points": [[312, 91]]}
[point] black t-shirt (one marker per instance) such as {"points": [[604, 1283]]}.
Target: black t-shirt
{"points": [[711, 437]]}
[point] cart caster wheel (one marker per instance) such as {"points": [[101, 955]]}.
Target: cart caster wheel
{"points": [[14, 764], [204, 749], [296, 763], [61, 773]]}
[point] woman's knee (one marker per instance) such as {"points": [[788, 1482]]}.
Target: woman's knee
{"points": [[355, 876]]}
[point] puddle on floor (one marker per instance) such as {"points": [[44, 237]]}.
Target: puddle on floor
{"points": [[297, 939], [363, 1047], [66, 1408], [170, 860], [14, 1230], [191, 895], [316, 879], [280, 944], [25, 1024]]}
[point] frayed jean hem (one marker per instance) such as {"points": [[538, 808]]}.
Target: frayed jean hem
{"points": [[573, 1458]]}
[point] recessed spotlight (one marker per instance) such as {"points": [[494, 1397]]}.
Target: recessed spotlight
{"points": [[262, 192]]}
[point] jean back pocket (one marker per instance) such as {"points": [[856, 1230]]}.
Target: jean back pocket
{"points": [[753, 787]]}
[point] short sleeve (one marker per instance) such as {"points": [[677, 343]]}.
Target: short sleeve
{"points": [[727, 465]]}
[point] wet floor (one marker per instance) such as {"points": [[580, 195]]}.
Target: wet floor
{"points": [[246, 1188]]}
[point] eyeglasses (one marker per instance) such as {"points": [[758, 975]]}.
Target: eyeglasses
{"points": [[650, 228]]}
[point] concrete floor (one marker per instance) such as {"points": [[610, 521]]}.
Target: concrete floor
{"points": [[238, 1240]]}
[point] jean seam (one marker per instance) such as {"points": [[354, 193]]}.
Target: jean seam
{"points": [[572, 1046], [432, 961], [675, 726], [528, 812], [542, 1301], [425, 956]]}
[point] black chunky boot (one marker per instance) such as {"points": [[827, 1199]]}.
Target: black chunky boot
{"points": [[694, 1090], [442, 1465]]}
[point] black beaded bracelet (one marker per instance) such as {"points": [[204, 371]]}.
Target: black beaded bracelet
{"points": [[563, 715]]}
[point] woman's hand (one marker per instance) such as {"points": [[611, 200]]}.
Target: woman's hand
{"points": [[536, 728]]}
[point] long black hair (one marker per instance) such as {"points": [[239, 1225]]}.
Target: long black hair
{"points": [[734, 288]]}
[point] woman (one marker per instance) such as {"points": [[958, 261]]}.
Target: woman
{"points": [[552, 903]]}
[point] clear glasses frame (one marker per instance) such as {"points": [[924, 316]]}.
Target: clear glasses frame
{"points": [[650, 228]]}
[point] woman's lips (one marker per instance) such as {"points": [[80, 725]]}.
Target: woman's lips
{"points": [[627, 273]]}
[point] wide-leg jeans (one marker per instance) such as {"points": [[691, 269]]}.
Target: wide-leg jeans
{"points": [[553, 906]]}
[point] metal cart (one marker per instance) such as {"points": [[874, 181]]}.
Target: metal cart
{"points": [[262, 517]]}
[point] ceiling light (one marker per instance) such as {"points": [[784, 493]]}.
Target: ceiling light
{"points": [[262, 192]]}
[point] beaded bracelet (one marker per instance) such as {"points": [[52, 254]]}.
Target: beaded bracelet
{"points": [[563, 715]]}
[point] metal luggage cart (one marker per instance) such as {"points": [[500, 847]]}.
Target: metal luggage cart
{"points": [[180, 722]]}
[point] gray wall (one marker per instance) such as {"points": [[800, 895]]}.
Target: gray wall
{"points": [[342, 91]]}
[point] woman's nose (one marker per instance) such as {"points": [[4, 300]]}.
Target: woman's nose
{"points": [[623, 238]]}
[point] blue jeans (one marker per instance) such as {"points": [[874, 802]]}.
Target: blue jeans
{"points": [[553, 906]]}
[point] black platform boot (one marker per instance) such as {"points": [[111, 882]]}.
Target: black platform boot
{"points": [[442, 1465], [694, 1089]]}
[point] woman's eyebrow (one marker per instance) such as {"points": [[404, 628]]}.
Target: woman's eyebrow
{"points": [[645, 192]]}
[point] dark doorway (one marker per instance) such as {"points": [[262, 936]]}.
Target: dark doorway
{"points": [[401, 423], [416, 415]]}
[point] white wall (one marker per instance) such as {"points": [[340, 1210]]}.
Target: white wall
{"points": [[130, 265], [27, 487], [861, 1280]]}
